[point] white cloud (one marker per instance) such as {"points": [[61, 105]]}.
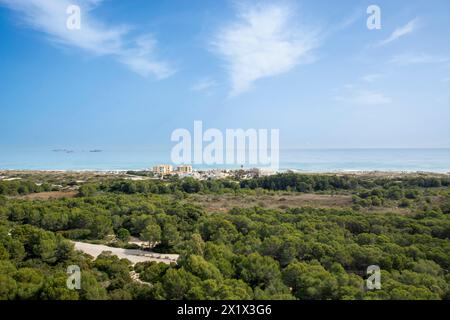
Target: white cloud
{"points": [[204, 84], [400, 32], [350, 20], [363, 97], [264, 41], [371, 77], [49, 17], [409, 59], [355, 94]]}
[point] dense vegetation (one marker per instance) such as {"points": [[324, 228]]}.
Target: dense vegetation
{"points": [[20, 187], [244, 253], [283, 182]]}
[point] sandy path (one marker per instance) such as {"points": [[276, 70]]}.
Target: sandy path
{"points": [[133, 255], [49, 195]]}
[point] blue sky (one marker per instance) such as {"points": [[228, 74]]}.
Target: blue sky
{"points": [[137, 70]]}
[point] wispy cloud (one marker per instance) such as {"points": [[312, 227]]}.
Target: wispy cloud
{"points": [[351, 19], [264, 41], [94, 37], [400, 32], [204, 85], [411, 58], [363, 97], [371, 77]]}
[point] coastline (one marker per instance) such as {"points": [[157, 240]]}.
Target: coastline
{"points": [[297, 160], [123, 172]]}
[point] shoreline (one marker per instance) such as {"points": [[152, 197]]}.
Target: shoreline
{"points": [[297, 171]]}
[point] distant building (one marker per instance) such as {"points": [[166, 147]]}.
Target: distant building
{"points": [[184, 169], [215, 174], [162, 169]]}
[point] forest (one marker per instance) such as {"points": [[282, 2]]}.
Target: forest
{"points": [[242, 253]]}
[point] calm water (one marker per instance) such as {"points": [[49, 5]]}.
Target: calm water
{"points": [[318, 160]]}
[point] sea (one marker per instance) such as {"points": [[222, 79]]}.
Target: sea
{"points": [[302, 160]]}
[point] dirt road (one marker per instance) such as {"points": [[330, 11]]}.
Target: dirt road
{"points": [[133, 255]]}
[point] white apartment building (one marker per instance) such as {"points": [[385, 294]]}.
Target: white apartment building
{"points": [[163, 169]]}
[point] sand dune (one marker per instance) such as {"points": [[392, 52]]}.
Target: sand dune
{"points": [[133, 255]]}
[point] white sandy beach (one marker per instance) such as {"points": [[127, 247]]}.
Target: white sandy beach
{"points": [[133, 255]]}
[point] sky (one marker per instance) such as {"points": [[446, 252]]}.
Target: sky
{"points": [[137, 70]]}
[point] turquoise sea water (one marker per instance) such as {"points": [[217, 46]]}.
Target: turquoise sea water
{"points": [[307, 160]]}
